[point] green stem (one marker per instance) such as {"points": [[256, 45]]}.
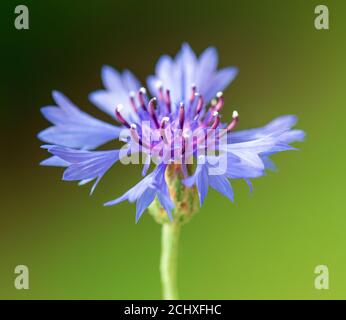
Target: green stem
{"points": [[169, 260]]}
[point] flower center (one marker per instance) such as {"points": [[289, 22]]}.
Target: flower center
{"points": [[175, 133]]}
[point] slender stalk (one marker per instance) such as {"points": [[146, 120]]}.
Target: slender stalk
{"points": [[169, 260]]}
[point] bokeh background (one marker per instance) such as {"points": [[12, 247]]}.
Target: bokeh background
{"points": [[263, 246]]}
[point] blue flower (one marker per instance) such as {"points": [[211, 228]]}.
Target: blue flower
{"points": [[181, 124]]}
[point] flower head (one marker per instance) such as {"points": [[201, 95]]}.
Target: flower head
{"points": [[180, 125]]}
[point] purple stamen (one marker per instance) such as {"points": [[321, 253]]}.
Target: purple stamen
{"points": [[163, 129], [209, 114], [200, 103], [213, 127], [152, 113], [168, 100], [141, 97], [181, 115], [120, 117], [216, 121], [234, 122], [135, 136], [220, 101], [133, 102]]}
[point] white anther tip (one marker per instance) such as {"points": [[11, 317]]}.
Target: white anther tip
{"points": [[132, 94], [143, 90], [159, 85], [133, 126], [215, 113], [119, 107], [235, 114], [219, 94], [165, 119]]}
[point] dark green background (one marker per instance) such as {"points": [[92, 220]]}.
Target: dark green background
{"points": [[265, 245]]}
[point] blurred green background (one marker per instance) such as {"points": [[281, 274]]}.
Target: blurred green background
{"points": [[265, 245]]}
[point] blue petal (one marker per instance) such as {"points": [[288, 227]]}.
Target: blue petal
{"points": [[135, 192], [144, 201], [249, 183], [146, 165], [85, 181], [190, 181], [250, 159], [282, 123], [71, 155], [169, 75], [188, 65], [54, 162], [268, 163], [185, 69], [130, 82], [279, 147], [222, 185], [111, 78], [163, 67], [107, 101], [85, 165], [219, 82], [243, 170], [145, 191], [117, 91], [153, 84], [276, 127], [272, 138], [292, 136], [122, 198], [79, 136], [90, 169], [262, 142], [74, 128], [249, 151], [202, 182], [166, 203], [206, 67]]}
